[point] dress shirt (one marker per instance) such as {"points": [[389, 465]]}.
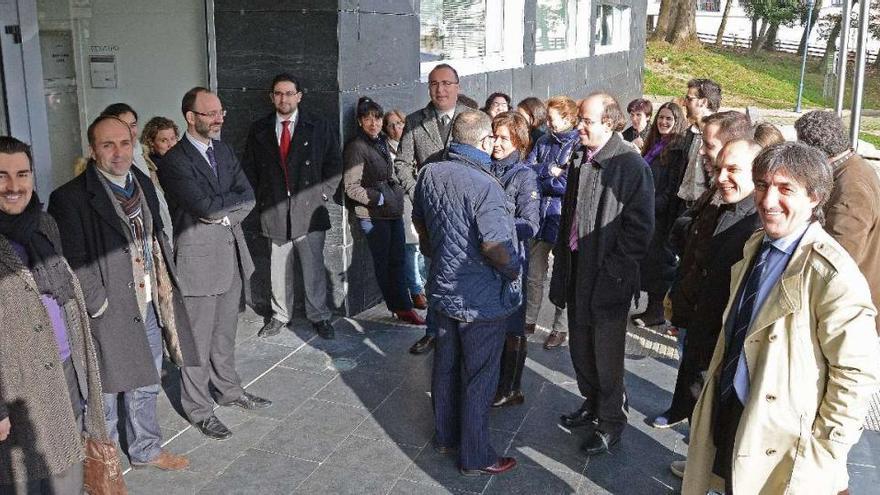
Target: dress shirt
{"points": [[202, 148], [279, 119], [778, 256]]}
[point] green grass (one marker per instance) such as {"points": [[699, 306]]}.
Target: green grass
{"points": [[870, 138], [764, 79]]}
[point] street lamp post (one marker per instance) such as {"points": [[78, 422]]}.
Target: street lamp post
{"points": [[800, 94], [859, 75], [843, 56]]}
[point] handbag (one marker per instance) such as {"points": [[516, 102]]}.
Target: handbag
{"points": [[102, 473]]}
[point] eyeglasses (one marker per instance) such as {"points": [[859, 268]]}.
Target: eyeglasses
{"points": [[212, 114], [585, 121], [445, 84], [289, 94]]}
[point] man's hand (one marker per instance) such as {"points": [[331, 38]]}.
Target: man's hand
{"points": [[639, 142], [5, 426]]}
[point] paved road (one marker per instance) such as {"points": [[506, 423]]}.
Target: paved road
{"points": [[353, 415]]}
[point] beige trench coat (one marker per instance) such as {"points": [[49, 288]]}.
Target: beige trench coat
{"points": [[813, 361]]}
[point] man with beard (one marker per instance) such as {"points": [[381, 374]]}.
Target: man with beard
{"points": [[209, 196]]}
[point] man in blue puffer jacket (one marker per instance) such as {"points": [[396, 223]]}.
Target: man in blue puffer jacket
{"points": [[466, 228]]}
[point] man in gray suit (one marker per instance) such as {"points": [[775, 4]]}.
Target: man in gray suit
{"points": [[209, 196], [425, 139]]}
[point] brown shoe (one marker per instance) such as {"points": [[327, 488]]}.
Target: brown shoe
{"points": [[530, 328], [555, 339], [420, 301], [166, 461]]}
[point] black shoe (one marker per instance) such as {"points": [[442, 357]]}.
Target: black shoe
{"points": [[249, 402], [325, 329], [269, 329], [578, 419], [599, 443], [422, 345], [213, 428]]}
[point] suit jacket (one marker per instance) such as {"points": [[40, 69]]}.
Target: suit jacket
{"points": [[207, 252], [97, 248], [44, 439], [314, 168], [813, 364], [420, 144]]}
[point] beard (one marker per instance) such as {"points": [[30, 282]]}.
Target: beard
{"points": [[204, 130]]}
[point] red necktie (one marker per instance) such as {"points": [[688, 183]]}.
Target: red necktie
{"points": [[284, 148]]}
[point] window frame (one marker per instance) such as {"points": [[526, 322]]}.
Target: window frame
{"points": [[504, 25], [578, 35]]}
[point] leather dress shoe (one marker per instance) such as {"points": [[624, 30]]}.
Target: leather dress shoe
{"points": [[599, 443], [422, 345], [249, 402], [555, 339], [213, 428], [269, 329], [578, 419], [420, 301], [166, 461], [325, 329], [503, 465], [409, 316]]}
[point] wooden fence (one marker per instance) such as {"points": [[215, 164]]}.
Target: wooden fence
{"points": [[815, 51]]}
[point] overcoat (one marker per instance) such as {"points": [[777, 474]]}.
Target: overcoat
{"points": [[813, 363], [44, 440], [97, 248], [313, 171]]}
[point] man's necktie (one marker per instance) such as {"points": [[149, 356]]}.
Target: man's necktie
{"points": [[741, 324], [444, 126], [284, 149], [284, 144], [212, 160]]}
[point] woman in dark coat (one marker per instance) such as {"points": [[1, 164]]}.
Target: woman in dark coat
{"points": [[549, 158], [377, 201], [521, 185], [665, 154]]}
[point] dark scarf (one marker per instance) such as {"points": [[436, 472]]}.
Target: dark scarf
{"points": [[129, 198], [379, 143], [48, 268], [502, 166]]}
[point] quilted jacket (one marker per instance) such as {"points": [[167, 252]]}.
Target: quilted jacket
{"points": [[552, 149], [462, 206]]}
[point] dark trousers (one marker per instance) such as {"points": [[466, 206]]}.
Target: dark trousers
{"points": [[597, 352], [724, 425], [689, 382], [387, 246], [214, 322], [467, 358]]}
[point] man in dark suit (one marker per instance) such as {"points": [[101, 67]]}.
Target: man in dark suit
{"points": [[209, 196], [425, 138], [111, 232], [292, 159]]}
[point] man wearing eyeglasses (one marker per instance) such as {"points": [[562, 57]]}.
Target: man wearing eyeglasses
{"points": [[209, 196], [293, 162], [425, 139], [607, 223]]}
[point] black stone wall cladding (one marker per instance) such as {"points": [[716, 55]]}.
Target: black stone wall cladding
{"points": [[344, 49]]}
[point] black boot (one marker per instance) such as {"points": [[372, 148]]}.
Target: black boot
{"points": [[513, 361], [653, 314]]}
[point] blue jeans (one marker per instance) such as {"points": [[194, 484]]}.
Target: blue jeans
{"points": [[386, 240], [415, 282], [141, 424]]}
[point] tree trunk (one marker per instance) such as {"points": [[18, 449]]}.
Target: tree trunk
{"points": [[762, 36], [685, 27], [664, 20], [831, 43], [754, 40], [719, 38], [770, 40], [808, 28]]}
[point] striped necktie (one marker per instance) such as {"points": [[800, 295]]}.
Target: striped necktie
{"points": [[741, 324], [212, 160]]}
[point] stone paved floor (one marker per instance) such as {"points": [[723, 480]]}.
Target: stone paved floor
{"points": [[353, 415]]}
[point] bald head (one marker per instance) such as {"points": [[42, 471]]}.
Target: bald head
{"points": [[733, 170], [599, 116]]}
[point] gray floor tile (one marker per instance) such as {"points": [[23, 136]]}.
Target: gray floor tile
{"points": [[529, 479], [288, 389], [406, 487], [301, 441], [256, 471], [253, 357], [151, 482], [211, 457], [373, 456], [360, 388], [340, 481]]}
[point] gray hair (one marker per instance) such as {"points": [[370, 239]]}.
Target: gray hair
{"points": [[804, 164], [471, 127]]}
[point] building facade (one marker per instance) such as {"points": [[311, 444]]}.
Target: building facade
{"points": [[68, 59]]}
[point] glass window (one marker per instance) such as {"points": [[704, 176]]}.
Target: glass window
{"points": [[612, 28], [709, 5], [472, 35], [561, 31]]}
